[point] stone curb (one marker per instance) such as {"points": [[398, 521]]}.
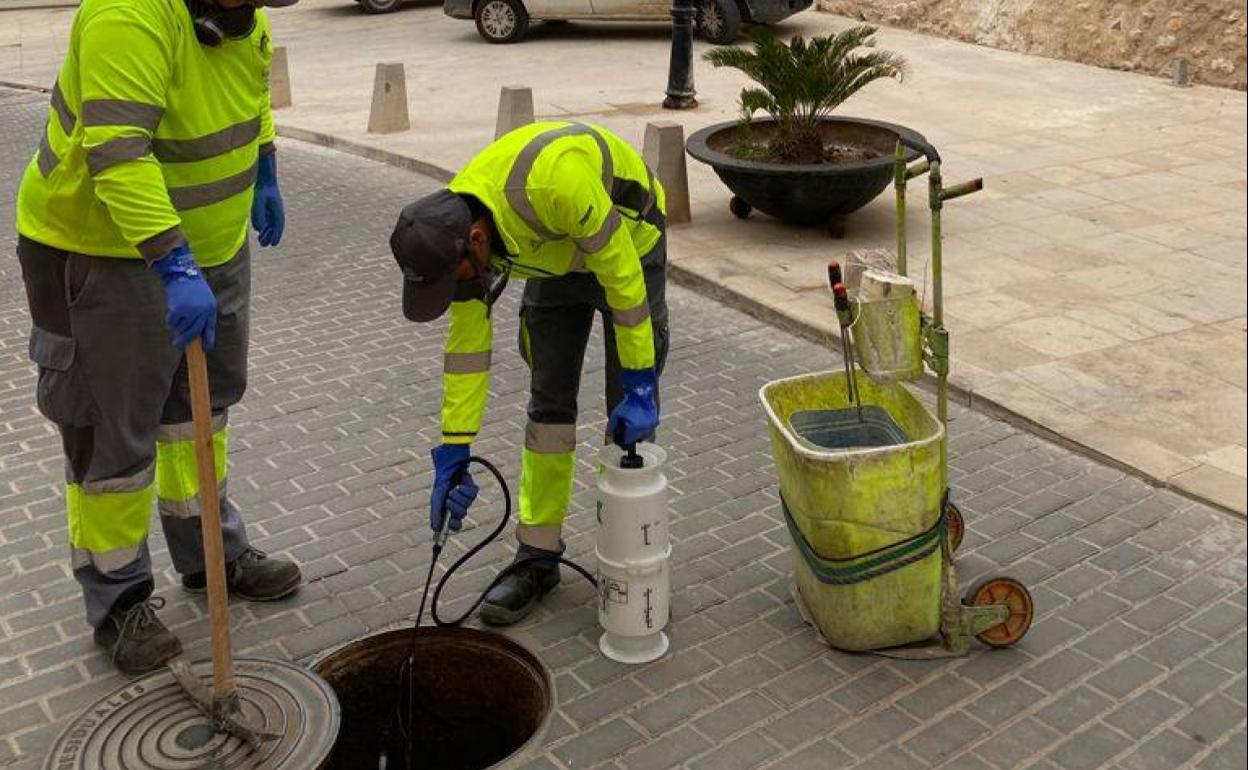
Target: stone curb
{"points": [[36, 5]]}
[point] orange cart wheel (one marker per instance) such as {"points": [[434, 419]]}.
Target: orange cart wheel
{"points": [[1013, 594], [955, 524]]}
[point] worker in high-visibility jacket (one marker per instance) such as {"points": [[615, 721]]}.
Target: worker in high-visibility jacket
{"points": [[573, 209], [132, 221]]}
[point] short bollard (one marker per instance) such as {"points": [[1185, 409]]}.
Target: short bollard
{"points": [[389, 110], [1180, 72], [279, 80], [664, 152], [515, 109]]}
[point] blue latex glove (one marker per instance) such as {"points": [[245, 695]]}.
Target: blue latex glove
{"points": [[268, 215], [453, 488], [191, 307], [637, 416]]}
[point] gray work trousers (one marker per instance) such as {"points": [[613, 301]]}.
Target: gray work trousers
{"points": [[557, 316], [115, 386]]}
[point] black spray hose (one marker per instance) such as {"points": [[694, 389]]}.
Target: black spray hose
{"points": [[406, 669], [439, 541]]}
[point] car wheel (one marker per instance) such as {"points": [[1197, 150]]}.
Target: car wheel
{"points": [[379, 6], [501, 21], [718, 21]]}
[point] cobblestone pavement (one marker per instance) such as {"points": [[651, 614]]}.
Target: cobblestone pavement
{"points": [[1136, 661]]}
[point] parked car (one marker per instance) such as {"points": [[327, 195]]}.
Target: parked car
{"points": [[718, 21], [379, 6]]}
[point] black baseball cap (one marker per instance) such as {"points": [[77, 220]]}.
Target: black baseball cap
{"points": [[429, 242]]}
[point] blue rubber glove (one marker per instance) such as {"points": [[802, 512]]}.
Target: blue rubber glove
{"points": [[453, 488], [637, 416], [191, 307], [268, 215]]}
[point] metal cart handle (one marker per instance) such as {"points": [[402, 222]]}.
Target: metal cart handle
{"points": [[928, 150]]}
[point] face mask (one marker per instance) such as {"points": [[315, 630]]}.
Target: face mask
{"points": [[492, 284], [237, 22], [214, 24]]}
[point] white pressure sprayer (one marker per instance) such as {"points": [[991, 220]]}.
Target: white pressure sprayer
{"points": [[633, 550]]}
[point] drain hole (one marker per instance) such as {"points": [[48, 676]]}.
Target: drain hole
{"points": [[478, 698]]}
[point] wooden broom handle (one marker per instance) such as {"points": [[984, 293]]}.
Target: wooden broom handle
{"points": [[210, 517]]}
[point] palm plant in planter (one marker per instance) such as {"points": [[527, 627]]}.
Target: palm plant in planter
{"points": [[801, 163]]}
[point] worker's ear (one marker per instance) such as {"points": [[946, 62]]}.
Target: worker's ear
{"points": [[479, 240]]}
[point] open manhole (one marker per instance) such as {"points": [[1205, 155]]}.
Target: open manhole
{"points": [[478, 699]]}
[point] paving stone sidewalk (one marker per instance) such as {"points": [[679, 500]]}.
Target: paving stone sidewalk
{"points": [[1137, 659]]}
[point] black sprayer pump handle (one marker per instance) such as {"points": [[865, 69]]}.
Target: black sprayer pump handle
{"points": [[630, 459]]}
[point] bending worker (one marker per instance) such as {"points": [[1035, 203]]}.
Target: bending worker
{"points": [[132, 221], [574, 210]]}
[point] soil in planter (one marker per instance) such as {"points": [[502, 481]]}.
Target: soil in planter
{"points": [[828, 153], [830, 144]]}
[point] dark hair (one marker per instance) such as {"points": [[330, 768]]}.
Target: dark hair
{"points": [[478, 209]]}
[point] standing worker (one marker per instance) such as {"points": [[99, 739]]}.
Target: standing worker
{"points": [[132, 221], [573, 209]]}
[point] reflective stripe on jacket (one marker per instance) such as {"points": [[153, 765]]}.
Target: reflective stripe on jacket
{"points": [[152, 138], [565, 197]]}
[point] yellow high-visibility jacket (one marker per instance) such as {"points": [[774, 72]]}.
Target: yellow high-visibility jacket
{"points": [[152, 138], [565, 197]]}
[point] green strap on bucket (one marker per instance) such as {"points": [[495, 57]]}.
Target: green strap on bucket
{"points": [[869, 565]]}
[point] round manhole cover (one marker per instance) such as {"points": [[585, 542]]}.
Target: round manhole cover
{"points": [[476, 699], [151, 723]]}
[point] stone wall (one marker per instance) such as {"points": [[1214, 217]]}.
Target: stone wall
{"points": [[1137, 35]]}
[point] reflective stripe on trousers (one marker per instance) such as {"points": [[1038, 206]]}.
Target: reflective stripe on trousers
{"points": [[547, 466]]}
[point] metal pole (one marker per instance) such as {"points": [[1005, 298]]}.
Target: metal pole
{"points": [[899, 184], [680, 93], [935, 190]]}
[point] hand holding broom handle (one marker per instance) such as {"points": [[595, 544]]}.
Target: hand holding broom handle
{"points": [[210, 518]]}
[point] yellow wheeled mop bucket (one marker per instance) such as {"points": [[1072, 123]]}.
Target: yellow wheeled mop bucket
{"points": [[864, 474]]}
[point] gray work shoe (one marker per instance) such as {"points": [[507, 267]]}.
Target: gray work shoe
{"points": [[252, 576], [135, 638], [515, 597]]}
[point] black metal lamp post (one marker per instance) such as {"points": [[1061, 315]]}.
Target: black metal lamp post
{"points": [[680, 93]]}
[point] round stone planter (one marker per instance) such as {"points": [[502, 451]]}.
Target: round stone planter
{"points": [[813, 194]]}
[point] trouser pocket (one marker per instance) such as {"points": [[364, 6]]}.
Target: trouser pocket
{"points": [[522, 340], [61, 393]]}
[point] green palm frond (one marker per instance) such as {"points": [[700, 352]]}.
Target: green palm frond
{"points": [[804, 80], [757, 100]]}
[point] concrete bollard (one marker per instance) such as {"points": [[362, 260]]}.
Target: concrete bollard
{"points": [[515, 109], [279, 80], [1179, 72], [389, 110], [664, 152]]}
